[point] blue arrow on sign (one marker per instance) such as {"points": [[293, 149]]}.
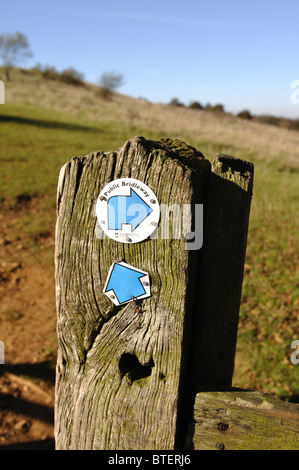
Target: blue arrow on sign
{"points": [[124, 281], [130, 209]]}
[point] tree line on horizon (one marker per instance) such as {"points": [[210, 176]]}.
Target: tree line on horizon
{"points": [[244, 114], [15, 48]]}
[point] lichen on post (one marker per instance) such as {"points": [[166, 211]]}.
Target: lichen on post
{"points": [[122, 371]]}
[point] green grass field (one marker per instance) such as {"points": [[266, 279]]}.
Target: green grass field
{"points": [[37, 139]]}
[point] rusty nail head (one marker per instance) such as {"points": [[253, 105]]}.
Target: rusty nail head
{"points": [[220, 446], [223, 426]]}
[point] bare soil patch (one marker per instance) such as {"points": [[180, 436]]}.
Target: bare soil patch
{"points": [[27, 329]]}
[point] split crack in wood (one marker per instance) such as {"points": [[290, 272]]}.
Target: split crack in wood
{"points": [[100, 343]]}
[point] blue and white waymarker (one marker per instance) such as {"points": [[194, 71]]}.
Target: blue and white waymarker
{"points": [[120, 211], [128, 210], [125, 283]]}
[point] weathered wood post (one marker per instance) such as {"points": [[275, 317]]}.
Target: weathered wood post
{"points": [[221, 269], [127, 374], [243, 420], [121, 369]]}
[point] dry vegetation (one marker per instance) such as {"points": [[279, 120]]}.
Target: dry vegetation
{"points": [[250, 138]]}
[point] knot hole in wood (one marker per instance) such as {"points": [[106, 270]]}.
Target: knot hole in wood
{"points": [[129, 365]]}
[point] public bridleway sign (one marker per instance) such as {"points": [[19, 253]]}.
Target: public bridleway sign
{"points": [[127, 210]]}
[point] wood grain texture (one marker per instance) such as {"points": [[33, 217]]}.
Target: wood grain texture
{"points": [[221, 269], [120, 371], [243, 420]]}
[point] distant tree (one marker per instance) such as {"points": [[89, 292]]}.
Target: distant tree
{"points": [[175, 102], [109, 82], [195, 105], [72, 76], [48, 71], [295, 124], [245, 114], [14, 48], [216, 108]]}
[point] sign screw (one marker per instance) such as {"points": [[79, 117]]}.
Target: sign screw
{"points": [[220, 446]]}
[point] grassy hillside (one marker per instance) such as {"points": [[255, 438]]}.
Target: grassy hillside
{"points": [[45, 123]]}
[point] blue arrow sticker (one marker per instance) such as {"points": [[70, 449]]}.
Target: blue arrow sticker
{"points": [[127, 210], [126, 283]]}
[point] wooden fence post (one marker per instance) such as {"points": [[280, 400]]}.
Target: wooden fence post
{"points": [[243, 420], [221, 268], [122, 371], [156, 374]]}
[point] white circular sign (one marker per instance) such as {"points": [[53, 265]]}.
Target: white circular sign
{"points": [[127, 210]]}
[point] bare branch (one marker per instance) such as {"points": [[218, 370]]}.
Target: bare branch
{"points": [[14, 48]]}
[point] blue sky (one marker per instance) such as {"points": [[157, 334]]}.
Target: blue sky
{"points": [[242, 54]]}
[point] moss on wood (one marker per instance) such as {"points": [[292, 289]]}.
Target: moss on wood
{"points": [[104, 407], [243, 420]]}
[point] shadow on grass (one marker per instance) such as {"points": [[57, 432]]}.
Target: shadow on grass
{"points": [[41, 370], [47, 124], [19, 406]]}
